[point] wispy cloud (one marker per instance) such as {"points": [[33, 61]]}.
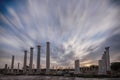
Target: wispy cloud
{"points": [[76, 29]]}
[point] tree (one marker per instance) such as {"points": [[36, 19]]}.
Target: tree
{"points": [[115, 66]]}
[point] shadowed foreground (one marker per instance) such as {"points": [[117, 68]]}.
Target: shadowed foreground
{"points": [[50, 78]]}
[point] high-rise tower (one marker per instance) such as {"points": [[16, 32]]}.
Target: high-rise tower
{"points": [[48, 57]]}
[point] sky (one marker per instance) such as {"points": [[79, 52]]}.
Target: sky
{"points": [[76, 29]]}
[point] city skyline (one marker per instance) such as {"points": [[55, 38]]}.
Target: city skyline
{"points": [[77, 29]]}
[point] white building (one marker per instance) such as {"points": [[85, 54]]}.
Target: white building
{"points": [[48, 57], [104, 63], [77, 67]]}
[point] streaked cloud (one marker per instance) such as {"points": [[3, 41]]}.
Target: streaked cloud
{"points": [[77, 29]]}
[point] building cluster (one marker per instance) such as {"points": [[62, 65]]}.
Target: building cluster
{"points": [[104, 63], [29, 69], [102, 68]]}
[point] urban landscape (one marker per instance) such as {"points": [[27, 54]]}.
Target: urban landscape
{"points": [[102, 70], [59, 39]]}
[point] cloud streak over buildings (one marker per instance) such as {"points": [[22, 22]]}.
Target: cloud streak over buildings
{"points": [[76, 29]]}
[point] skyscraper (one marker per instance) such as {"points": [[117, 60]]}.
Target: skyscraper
{"points": [[31, 59], [38, 58], [48, 57]]}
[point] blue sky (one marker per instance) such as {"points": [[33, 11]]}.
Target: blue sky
{"points": [[76, 29]]}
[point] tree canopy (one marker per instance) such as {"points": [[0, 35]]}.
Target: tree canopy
{"points": [[115, 66]]}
